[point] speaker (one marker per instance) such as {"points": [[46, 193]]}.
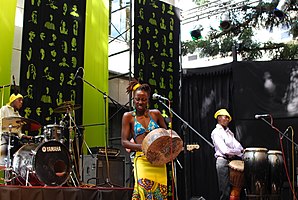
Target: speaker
{"points": [[98, 171]]}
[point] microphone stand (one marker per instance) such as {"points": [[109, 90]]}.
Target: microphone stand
{"points": [[185, 123], [105, 96], [279, 132], [282, 134]]}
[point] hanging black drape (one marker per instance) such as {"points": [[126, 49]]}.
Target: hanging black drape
{"points": [[245, 89], [203, 91]]}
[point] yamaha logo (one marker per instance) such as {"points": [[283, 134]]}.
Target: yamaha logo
{"points": [[51, 149]]}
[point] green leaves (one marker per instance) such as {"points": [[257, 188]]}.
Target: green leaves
{"points": [[243, 34]]}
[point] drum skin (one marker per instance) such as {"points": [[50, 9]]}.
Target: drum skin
{"points": [[276, 171], [49, 163], [157, 146], [256, 170]]}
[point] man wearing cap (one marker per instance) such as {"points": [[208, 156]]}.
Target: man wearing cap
{"points": [[226, 149], [11, 109]]}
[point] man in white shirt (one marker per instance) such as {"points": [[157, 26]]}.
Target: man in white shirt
{"points": [[11, 109], [226, 149]]}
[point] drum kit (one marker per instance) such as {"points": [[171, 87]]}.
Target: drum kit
{"points": [[46, 161]]}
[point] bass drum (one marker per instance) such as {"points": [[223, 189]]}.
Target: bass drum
{"points": [[46, 164]]}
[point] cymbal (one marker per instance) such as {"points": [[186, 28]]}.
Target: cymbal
{"points": [[17, 123], [65, 103], [66, 108]]}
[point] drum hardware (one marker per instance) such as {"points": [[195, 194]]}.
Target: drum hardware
{"points": [[73, 175], [28, 170], [14, 125], [69, 108], [8, 164]]}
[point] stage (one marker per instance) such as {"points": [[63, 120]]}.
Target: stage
{"points": [[12, 192]]}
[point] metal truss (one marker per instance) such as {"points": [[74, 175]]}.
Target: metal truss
{"points": [[213, 8]]}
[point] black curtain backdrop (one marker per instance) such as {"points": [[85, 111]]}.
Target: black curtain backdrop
{"points": [[203, 92], [245, 89]]}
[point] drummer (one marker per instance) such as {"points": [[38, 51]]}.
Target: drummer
{"points": [[11, 109], [137, 124], [227, 148]]}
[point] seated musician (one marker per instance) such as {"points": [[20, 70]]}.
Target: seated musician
{"points": [[150, 180], [227, 148], [11, 109]]}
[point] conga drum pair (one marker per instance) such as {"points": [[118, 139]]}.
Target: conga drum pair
{"points": [[236, 178], [263, 171], [162, 146]]}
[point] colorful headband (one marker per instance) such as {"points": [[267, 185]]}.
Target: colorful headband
{"points": [[136, 87]]}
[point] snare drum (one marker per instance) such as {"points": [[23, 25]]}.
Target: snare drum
{"points": [[54, 132], [157, 146], [256, 170], [45, 164], [236, 178]]}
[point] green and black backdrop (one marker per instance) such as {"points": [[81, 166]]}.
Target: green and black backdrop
{"points": [[52, 52], [156, 49], [156, 52]]}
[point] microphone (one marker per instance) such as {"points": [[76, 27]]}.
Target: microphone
{"points": [[262, 115], [284, 133], [77, 72], [157, 96]]}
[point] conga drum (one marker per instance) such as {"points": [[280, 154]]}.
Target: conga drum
{"points": [[236, 178], [256, 170], [158, 143], [276, 171]]}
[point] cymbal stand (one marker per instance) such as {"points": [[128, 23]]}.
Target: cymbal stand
{"points": [[28, 171], [8, 167], [73, 175]]}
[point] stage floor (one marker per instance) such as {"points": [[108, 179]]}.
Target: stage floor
{"points": [[12, 192]]}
